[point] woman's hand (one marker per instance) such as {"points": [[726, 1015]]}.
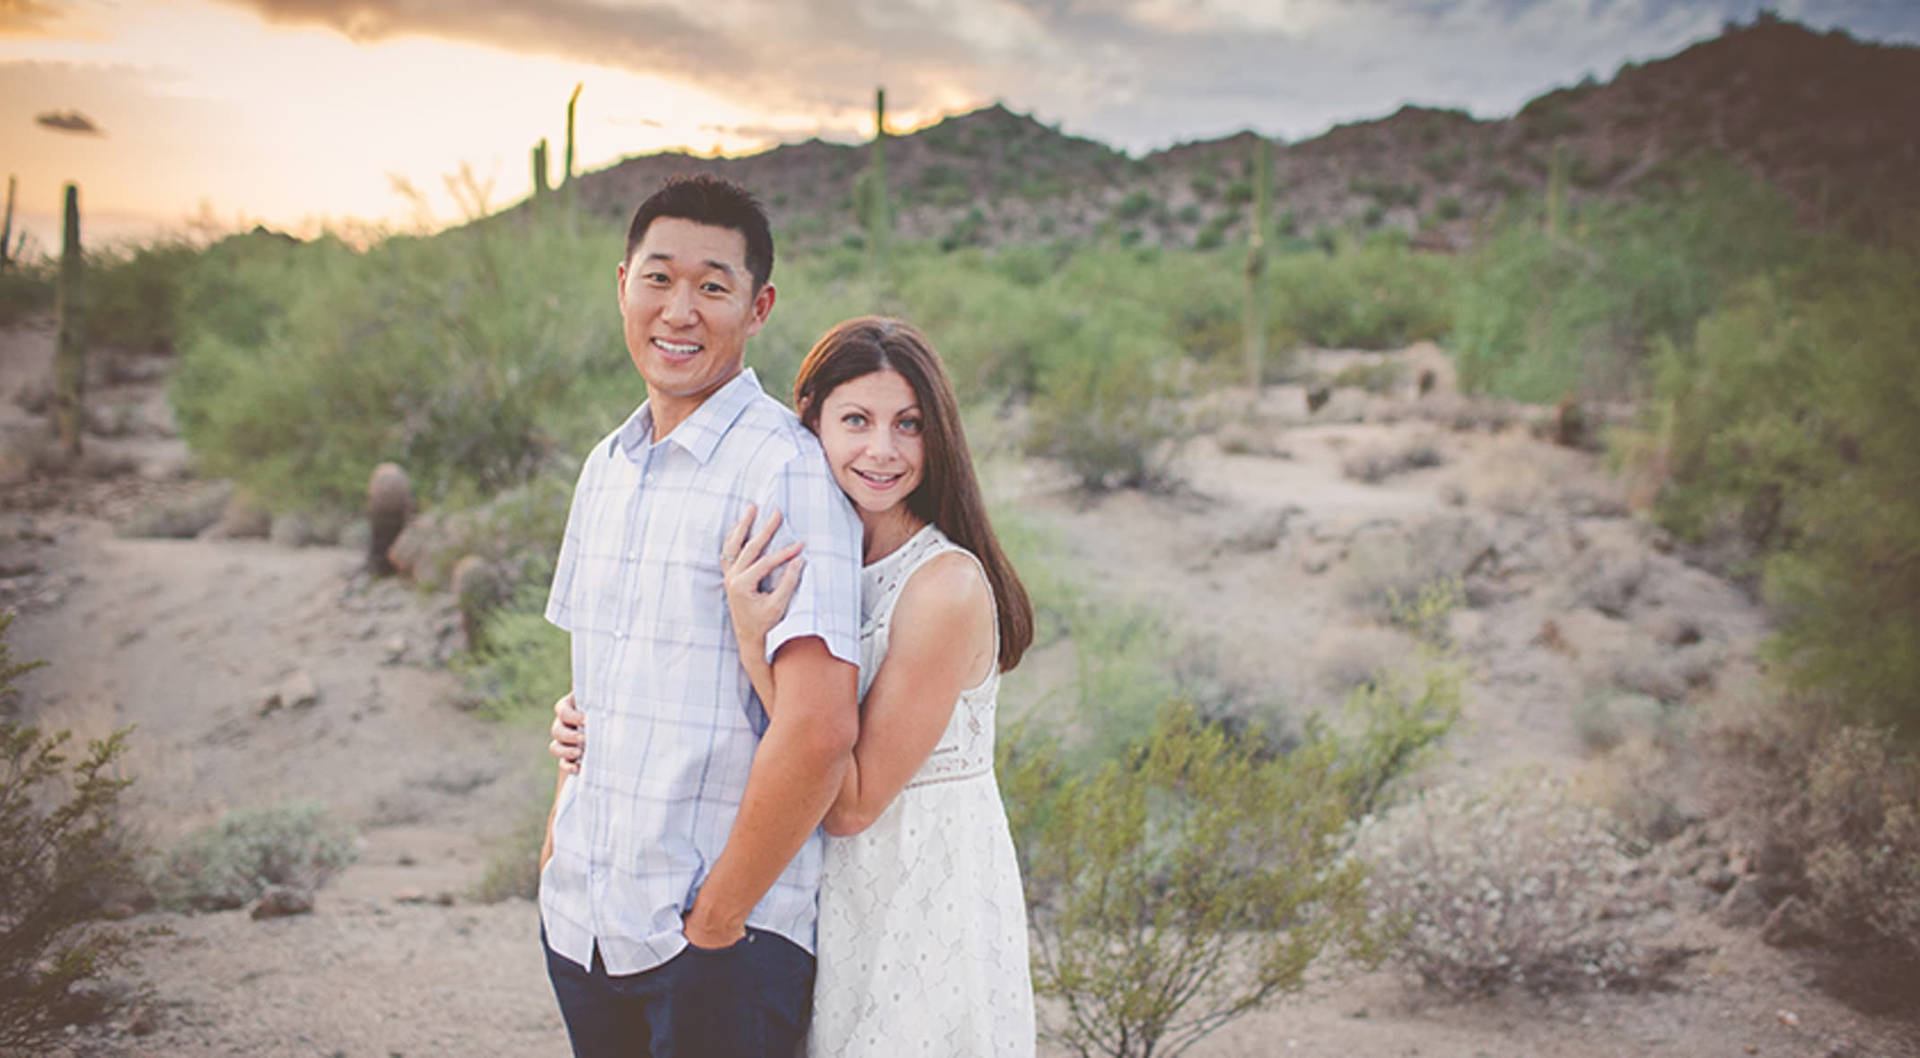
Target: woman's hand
{"points": [[569, 735], [755, 612]]}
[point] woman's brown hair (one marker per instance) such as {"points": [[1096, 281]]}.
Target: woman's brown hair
{"points": [[949, 494]]}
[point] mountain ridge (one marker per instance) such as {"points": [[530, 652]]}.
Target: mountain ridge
{"points": [[1817, 115]]}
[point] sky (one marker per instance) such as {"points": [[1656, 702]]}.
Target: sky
{"points": [[208, 115]]}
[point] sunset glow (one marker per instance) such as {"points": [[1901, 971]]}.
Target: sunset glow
{"points": [[301, 115]]}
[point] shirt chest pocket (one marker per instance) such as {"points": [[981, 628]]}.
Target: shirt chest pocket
{"points": [[687, 604]]}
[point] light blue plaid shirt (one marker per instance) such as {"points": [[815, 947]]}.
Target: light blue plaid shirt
{"points": [[672, 719]]}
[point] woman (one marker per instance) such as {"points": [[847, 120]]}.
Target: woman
{"points": [[922, 944]]}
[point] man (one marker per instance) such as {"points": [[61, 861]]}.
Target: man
{"points": [[682, 861]]}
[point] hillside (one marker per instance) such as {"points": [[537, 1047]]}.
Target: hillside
{"points": [[1824, 117]]}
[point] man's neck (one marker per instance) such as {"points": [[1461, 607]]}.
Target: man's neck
{"points": [[669, 412]]}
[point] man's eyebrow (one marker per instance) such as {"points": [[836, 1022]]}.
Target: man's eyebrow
{"points": [[717, 265]]}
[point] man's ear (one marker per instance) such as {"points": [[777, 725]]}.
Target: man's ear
{"points": [[762, 307]]}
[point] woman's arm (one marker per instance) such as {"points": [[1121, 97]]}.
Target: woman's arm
{"points": [[940, 643]]}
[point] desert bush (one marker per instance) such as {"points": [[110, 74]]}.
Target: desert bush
{"points": [[63, 849], [1386, 573], [1539, 316], [229, 863], [1830, 810], [1375, 465], [1182, 885], [1862, 841], [466, 358], [1106, 404], [513, 863], [1502, 887], [524, 664], [1790, 429], [133, 295], [26, 288], [1374, 376], [1376, 296], [1604, 721]]}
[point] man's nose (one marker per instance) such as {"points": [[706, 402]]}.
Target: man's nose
{"points": [[678, 309]]}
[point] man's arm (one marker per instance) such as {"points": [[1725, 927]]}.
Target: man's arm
{"points": [[546, 846], [796, 773]]}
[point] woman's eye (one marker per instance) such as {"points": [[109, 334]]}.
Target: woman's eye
{"points": [[854, 419], [910, 426]]}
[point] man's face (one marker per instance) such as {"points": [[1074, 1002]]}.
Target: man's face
{"points": [[688, 306]]}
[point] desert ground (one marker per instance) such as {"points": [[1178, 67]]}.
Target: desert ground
{"points": [[256, 672]]}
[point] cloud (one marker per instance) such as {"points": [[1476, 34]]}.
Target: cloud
{"points": [[68, 121], [1137, 73], [28, 18]]}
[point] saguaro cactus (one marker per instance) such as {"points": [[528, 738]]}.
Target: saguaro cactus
{"points": [[540, 188], [1557, 190], [1255, 322], [6, 233], [879, 222], [70, 356], [572, 101]]}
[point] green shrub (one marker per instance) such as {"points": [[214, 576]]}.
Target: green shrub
{"points": [[1791, 427], [1369, 297], [1134, 206], [63, 849], [1539, 316], [1448, 207], [230, 863], [1444, 163], [513, 863], [525, 663], [1374, 376], [133, 296], [467, 358], [1106, 404], [26, 289], [1182, 885]]}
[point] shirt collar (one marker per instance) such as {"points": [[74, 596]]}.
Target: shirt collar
{"points": [[701, 432]]}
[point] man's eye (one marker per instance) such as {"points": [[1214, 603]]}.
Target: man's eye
{"points": [[713, 288], [656, 278]]}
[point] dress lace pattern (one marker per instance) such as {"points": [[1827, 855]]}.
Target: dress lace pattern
{"points": [[923, 932]]}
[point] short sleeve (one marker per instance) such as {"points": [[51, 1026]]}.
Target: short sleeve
{"points": [[827, 601], [560, 595]]}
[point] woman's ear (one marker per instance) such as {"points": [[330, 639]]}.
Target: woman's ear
{"points": [[800, 408]]}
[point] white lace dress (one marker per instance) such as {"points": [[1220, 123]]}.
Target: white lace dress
{"points": [[923, 928]]}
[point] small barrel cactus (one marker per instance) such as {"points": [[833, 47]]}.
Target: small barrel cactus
{"points": [[389, 505], [477, 587]]}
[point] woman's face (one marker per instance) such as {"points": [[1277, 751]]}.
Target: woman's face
{"points": [[870, 428]]}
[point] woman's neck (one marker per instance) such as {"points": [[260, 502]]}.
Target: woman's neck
{"points": [[882, 534]]}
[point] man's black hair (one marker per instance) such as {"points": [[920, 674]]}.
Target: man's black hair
{"points": [[706, 199]]}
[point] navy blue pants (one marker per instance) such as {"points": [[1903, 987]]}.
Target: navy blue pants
{"points": [[750, 1000]]}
